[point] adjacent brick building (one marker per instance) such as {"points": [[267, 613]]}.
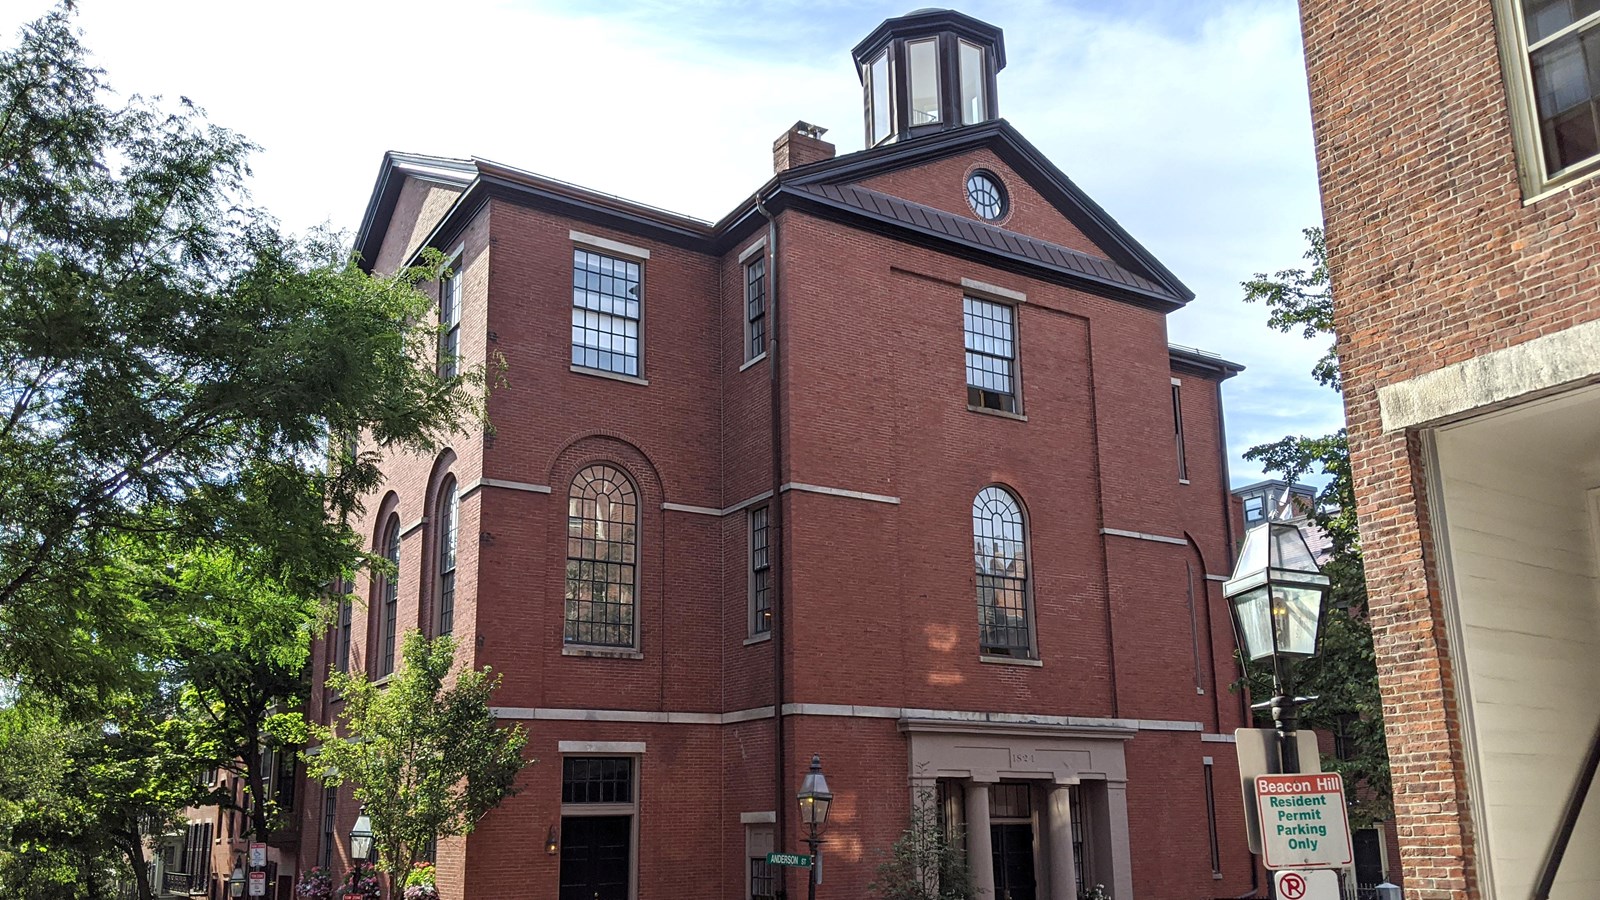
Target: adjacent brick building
{"points": [[892, 464], [1458, 143]]}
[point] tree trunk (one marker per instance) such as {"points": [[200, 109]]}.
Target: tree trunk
{"points": [[141, 876]]}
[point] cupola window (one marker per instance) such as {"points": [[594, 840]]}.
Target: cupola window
{"points": [[878, 97], [972, 79], [924, 59]]}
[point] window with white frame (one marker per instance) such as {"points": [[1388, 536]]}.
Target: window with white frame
{"points": [[450, 321], [1000, 557], [974, 80], [878, 109], [922, 57], [1177, 428], [449, 513], [760, 572], [1551, 50], [606, 313], [755, 307], [990, 332]]}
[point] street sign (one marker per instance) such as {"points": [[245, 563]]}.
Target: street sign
{"points": [[258, 855], [1307, 884], [258, 884], [1257, 749], [798, 860], [1304, 824]]}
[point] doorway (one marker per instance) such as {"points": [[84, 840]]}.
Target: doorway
{"points": [[1013, 861], [594, 857]]}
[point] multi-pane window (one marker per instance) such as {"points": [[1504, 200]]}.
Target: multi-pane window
{"points": [[1564, 57], [755, 307], [878, 96], [450, 324], [341, 652], [1177, 428], [197, 853], [597, 779], [923, 60], [330, 819], [390, 594], [602, 554], [605, 313], [760, 572], [1000, 555], [449, 526], [1211, 820], [763, 879], [973, 81], [991, 354]]}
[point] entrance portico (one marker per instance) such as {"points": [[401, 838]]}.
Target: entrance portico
{"points": [[1068, 783]]}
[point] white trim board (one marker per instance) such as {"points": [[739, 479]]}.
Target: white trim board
{"points": [[651, 717], [1142, 536]]}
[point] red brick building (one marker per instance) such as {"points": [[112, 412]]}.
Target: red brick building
{"points": [[1458, 143], [893, 464]]}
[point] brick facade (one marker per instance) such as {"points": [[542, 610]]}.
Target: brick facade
{"points": [[878, 460], [1436, 260]]}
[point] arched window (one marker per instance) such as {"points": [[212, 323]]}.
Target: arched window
{"points": [[389, 595], [449, 512], [602, 557], [1000, 554]]}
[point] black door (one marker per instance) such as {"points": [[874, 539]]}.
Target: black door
{"points": [[594, 857], [1013, 862], [1369, 856]]}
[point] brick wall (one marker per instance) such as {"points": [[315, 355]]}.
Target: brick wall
{"points": [[1435, 259]]}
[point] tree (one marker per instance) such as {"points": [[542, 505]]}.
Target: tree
{"points": [[426, 758], [1344, 675], [924, 863], [171, 365]]}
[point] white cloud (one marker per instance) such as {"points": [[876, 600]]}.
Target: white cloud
{"points": [[1188, 123]]}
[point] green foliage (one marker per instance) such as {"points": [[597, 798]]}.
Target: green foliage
{"points": [[425, 756], [172, 364], [924, 864], [1344, 675]]}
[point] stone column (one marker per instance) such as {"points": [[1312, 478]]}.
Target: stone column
{"points": [[1063, 870], [1121, 849], [980, 847]]}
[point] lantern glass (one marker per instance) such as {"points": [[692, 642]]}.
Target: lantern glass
{"points": [[361, 838], [815, 798], [1276, 593], [1253, 614], [236, 882], [1296, 616]]}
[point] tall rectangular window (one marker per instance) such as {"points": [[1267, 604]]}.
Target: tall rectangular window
{"points": [[1552, 50], [450, 324], [878, 97], [1177, 428], [755, 307], [330, 819], [1211, 821], [605, 313], [760, 573], [923, 58], [341, 652], [390, 594], [449, 528], [973, 81], [991, 354]]}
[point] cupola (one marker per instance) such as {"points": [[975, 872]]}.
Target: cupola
{"points": [[926, 71]]}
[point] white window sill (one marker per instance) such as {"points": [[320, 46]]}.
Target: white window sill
{"points": [[380, 682], [757, 358], [601, 652], [997, 412], [758, 638], [602, 373], [1010, 661], [1183, 481]]}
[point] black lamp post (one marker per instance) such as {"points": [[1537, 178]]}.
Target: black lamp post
{"points": [[361, 838], [1278, 598], [815, 798]]}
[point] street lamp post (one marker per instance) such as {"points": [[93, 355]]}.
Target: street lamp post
{"points": [[815, 798], [1278, 598]]}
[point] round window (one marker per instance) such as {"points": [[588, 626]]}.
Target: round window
{"points": [[985, 195]]}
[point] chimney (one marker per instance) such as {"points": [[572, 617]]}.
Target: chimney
{"points": [[801, 145]]}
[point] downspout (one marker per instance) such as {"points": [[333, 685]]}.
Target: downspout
{"points": [[775, 540]]}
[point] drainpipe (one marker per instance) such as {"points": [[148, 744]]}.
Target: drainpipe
{"points": [[775, 542]]}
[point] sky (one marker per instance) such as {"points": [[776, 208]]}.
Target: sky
{"points": [[1188, 122]]}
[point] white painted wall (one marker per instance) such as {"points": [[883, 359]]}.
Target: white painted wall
{"points": [[1518, 530]]}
